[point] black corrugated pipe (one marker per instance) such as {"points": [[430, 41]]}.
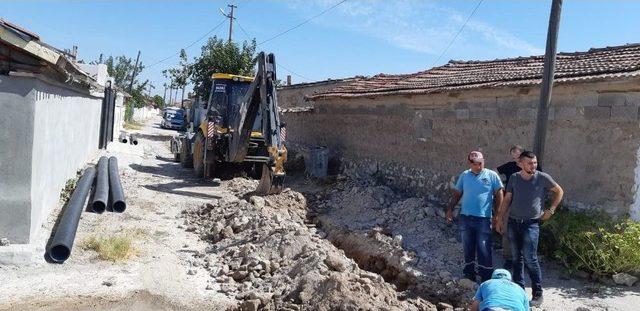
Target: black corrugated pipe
{"points": [[117, 195], [101, 192], [60, 247], [134, 139], [123, 138]]}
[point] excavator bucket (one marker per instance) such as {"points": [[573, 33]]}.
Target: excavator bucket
{"points": [[270, 182]]}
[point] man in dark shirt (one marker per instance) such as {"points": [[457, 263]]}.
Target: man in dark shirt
{"points": [[507, 170], [511, 167], [523, 205]]}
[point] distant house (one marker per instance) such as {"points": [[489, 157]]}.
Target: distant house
{"points": [[415, 130]]}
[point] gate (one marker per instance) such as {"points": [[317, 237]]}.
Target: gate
{"points": [[107, 117]]}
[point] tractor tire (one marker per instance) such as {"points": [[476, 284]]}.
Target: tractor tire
{"points": [[198, 155], [186, 160]]}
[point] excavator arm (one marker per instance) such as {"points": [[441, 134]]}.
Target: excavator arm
{"points": [[261, 101]]}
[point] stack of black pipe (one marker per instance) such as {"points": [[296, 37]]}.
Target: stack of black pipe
{"points": [[108, 192]]}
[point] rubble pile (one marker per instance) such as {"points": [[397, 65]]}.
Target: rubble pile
{"points": [[266, 254]]}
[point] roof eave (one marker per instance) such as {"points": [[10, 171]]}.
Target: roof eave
{"points": [[489, 85]]}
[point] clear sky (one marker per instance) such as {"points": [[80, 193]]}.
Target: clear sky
{"points": [[354, 38]]}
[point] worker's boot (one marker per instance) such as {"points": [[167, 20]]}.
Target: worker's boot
{"points": [[537, 299]]}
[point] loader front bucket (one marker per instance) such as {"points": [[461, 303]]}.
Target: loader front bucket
{"points": [[270, 182]]}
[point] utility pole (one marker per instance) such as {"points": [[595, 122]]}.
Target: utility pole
{"points": [[170, 92], [547, 80], [182, 98], [135, 68], [164, 97], [230, 16]]}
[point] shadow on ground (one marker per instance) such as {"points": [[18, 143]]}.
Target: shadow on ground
{"points": [[175, 188], [154, 137]]}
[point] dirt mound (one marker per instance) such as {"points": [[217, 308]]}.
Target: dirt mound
{"points": [[266, 255]]}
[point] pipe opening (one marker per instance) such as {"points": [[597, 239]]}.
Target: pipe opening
{"points": [[124, 141], [119, 206], [59, 253], [135, 142], [98, 207]]}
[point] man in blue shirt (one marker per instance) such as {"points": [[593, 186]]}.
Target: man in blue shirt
{"points": [[479, 189], [500, 293]]}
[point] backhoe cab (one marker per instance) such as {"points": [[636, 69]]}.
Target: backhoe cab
{"points": [[242, 125]]}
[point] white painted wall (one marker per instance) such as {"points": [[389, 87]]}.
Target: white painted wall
{"points": [[65, 136], [118, 116], [97, 72], [144, 113]]}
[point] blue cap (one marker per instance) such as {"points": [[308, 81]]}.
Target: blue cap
{"points": [[501, 274]]}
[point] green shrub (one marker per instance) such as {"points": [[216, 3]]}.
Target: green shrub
{"points": [[69, 186], [592, 242], [128, 112]]}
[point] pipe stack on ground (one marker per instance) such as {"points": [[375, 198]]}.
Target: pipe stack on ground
{"points": [[134, 139], [123, 138], [101, 193], [117, 195], [60, 247]]}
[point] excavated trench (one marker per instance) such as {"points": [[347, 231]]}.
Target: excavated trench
{"points": [[372, 253], [376, 249]]}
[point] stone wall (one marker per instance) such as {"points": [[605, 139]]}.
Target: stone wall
{"points": [[419, 143], [291, 96]]}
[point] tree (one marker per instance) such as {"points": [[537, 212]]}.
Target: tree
{"points": [[180, 75], [121, 69], [221, 56], [137, 98], [158, 101]]}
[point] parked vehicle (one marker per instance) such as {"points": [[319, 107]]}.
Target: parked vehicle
{"points": [[172, 118]]}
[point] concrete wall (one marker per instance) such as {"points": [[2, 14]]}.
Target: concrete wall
{"points": [[55, 131], [65, 136], [419, 143], [16, 139], [118, 116]]}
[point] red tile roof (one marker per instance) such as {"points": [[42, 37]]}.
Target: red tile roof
{"points": [[595, 64]]}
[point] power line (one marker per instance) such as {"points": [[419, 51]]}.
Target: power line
{"points": [[242, 29], [292, 72], [188, 46], [277, 63], [304, 22], [458, 33]]}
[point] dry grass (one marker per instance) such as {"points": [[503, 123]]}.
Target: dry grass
{"points": [[114, 248], [132, 125]]}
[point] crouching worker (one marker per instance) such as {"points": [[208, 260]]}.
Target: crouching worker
{"points": [[500, 294]]}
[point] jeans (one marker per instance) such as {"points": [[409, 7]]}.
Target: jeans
{"points": [[523, 237], [476, 242], [506, 247]]}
